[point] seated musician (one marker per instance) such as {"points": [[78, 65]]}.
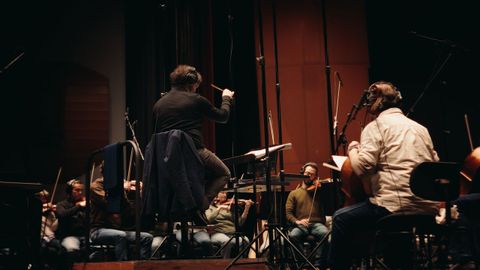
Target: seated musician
{"points": [[465, 239], [391, 146], [220, 214], [115, 228], [51, 253], [304, 211], [71, 217], [200, 236]]}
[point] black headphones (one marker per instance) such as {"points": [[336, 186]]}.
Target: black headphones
{"points": [[379, 100], [191, 76], [70, 185], [311, 164]]}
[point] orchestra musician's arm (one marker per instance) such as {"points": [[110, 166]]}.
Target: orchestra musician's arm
{"points": [[63, 212], [218, 114], [211, 213], [364, 155], [243, 217], [290, 210]]}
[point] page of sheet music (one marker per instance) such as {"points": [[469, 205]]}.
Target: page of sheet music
{"points": [[338, 160], [261, 152]]}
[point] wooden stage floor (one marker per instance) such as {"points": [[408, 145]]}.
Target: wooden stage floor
{"points": [[181, 264]]}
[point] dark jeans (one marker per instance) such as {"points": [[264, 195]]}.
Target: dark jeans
{"points": [[217, 175], [465, 237], [348, 222]]}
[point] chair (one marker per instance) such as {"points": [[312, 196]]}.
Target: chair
{"points": [[414, 232], [173, 182], [409, 232]]}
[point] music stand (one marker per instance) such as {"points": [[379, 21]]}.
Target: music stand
{"points": [[438, 181]]}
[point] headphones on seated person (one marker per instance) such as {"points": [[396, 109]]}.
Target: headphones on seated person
{"points": [[311, 164], [70, 185], [383, 95]]}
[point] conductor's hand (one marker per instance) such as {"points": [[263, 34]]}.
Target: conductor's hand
{"points": [[227, 93]]}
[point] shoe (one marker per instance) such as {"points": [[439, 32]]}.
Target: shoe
{"points": [[198, 218]]}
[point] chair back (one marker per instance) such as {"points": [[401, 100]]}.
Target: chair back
{"points": [[436, 181]]}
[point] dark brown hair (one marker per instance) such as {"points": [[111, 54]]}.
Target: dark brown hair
{"points": [[184, 75]]}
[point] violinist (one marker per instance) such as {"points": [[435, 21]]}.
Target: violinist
{"points": [[49, 218], [71, 215], [390, 147], [220, 214], [305, 212], [51, 251]]}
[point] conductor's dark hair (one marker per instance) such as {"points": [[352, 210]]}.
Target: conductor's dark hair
{"points": [[184, 75]]}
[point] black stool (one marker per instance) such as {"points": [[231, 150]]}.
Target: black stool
{"points": [[404, 240]]}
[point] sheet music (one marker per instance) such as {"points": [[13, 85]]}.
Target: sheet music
{"points": [[261, 152], [338, 160]]}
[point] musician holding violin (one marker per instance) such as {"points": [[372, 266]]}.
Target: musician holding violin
{"points": [[304, 210], [49, 218], [220, 214], [71, 215], [390, 147]]}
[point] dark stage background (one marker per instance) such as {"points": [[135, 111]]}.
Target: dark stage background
{"points": [[85, 63]]}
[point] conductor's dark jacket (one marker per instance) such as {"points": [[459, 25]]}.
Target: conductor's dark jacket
{"points": [[173, 176]]}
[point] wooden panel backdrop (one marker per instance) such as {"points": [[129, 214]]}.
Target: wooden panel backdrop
{"points": [[301, 54]]}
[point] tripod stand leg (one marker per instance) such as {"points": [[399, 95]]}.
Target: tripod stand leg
{"points": [[245, 249], [224, 245], [295, 248], [325, 238], [164, 240]]}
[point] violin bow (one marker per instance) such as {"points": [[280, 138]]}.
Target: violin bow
{"points": [[56, 183], [313, 201], [130, 166], [467, 125]]}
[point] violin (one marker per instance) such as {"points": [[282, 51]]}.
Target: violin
{"points": [[318, 183], [230, 202], [82, 202], [49, 207]]}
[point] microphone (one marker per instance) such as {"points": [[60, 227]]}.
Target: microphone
{"points": [[338, 78], [364, 100]]}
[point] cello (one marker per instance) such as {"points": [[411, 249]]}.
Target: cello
{"points": [[353, 187], [469, 175], [469, 172]]}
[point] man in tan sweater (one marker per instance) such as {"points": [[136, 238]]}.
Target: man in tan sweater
{"points": [[304, 210]]}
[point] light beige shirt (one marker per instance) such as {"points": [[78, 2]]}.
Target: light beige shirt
{"points": [[391, 146]]}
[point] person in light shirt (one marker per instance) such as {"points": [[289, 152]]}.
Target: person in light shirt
{"points": [[391, 146]]}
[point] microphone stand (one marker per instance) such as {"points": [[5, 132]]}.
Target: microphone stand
{"points": [[133, 135], [333, 146], [11, 62], [350, 117], [452, 47], [271, 227], [337, 102]]}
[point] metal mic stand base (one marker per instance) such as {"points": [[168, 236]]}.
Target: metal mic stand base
{"points": [[273, 264]]}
